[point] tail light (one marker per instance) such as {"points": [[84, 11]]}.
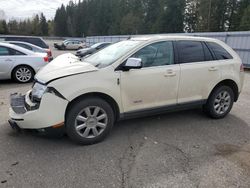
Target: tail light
{"points": [[46, 59], [49, 53], [241, 67]]}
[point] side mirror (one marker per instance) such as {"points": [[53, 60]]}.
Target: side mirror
{"points": [[132, 63]]}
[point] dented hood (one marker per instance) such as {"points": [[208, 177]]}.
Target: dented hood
{"points": [[64, 65]]}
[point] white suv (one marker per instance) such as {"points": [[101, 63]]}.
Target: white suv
{"points": [[136, 77]]}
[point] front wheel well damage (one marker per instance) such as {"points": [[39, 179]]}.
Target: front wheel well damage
{"points": [[103, 96]]}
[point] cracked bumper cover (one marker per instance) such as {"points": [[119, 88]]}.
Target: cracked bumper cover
{"points": [[50, 112]]}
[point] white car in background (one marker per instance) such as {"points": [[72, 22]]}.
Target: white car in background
{"points": [[70, 45], [20, 64]]}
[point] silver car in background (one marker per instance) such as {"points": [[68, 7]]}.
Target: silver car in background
{"points": [[32, 47], [20, 64], [70, 45]]}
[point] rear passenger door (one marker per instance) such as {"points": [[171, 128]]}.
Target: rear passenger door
{"points": [[7, 61], [199, 71]]}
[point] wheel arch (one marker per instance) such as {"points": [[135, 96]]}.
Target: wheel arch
{"points": [[15, 67], [230, 83], [110, 100]]}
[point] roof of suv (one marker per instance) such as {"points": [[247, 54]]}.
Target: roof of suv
{"points": [[173, 37], [21, 36]]}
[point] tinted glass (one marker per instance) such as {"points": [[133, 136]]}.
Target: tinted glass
{"points": [[190, 51], [100, 46], [12, 38], [35, 41], [15, 52], [219, 52], [4, 51], [208, 55], [157, 54], [23, 46]]}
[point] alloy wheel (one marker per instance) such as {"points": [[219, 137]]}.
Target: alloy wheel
{"points": [[222, 102], [23, 74], [91, 122]]}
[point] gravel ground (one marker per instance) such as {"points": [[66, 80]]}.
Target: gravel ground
{"points": [[181, 149]]}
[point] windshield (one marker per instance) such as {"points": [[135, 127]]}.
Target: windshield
{"points": [[95, 45], [110, 54]]}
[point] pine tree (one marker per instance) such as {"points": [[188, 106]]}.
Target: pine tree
{"points": [[43, 25], [245, 20]]}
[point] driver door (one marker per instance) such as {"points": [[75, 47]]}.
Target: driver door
{"points": [[156, 83]]}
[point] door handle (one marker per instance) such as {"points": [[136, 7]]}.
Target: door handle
{"points": [[170, 73], [213, 69]]}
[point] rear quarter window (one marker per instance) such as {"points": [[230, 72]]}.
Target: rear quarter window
{"points": [[219, 52], [23, 46], [15, 52]]}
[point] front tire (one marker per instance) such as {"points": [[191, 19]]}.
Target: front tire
{"points": [[89, 121], [23, 74], [220, 102]]}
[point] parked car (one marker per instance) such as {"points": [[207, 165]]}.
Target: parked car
{"points": [[20, 64], [70, 45], [136, 77], [38, 41], [94, 48], [33, 48]]}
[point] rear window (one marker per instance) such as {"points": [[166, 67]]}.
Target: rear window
{"points": [[219, 52], [190, 51]]}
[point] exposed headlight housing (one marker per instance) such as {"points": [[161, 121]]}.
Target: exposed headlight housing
{"points": [[38, 90]]}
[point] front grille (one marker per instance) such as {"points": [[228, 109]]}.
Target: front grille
{"points": [[17, 102]]}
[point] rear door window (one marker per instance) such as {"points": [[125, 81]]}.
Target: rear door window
{"points": [[219, 52], [190, 51], [4, 51]]}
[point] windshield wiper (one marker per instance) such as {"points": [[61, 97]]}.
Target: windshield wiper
{"points": [[97, 65]]}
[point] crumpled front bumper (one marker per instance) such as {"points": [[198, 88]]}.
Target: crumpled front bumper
{"points": [[28, 115]]}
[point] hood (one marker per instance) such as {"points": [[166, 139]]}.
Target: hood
{"points": [[63, 65]]}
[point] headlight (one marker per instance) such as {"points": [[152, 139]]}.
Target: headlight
{"points": [[38, 90]]}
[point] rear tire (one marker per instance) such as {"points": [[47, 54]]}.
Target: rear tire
{"points": [[220, 102], [23, 74], [89, 121]]}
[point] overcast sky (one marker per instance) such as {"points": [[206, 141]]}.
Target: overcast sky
{"points": [[20, 9]]}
